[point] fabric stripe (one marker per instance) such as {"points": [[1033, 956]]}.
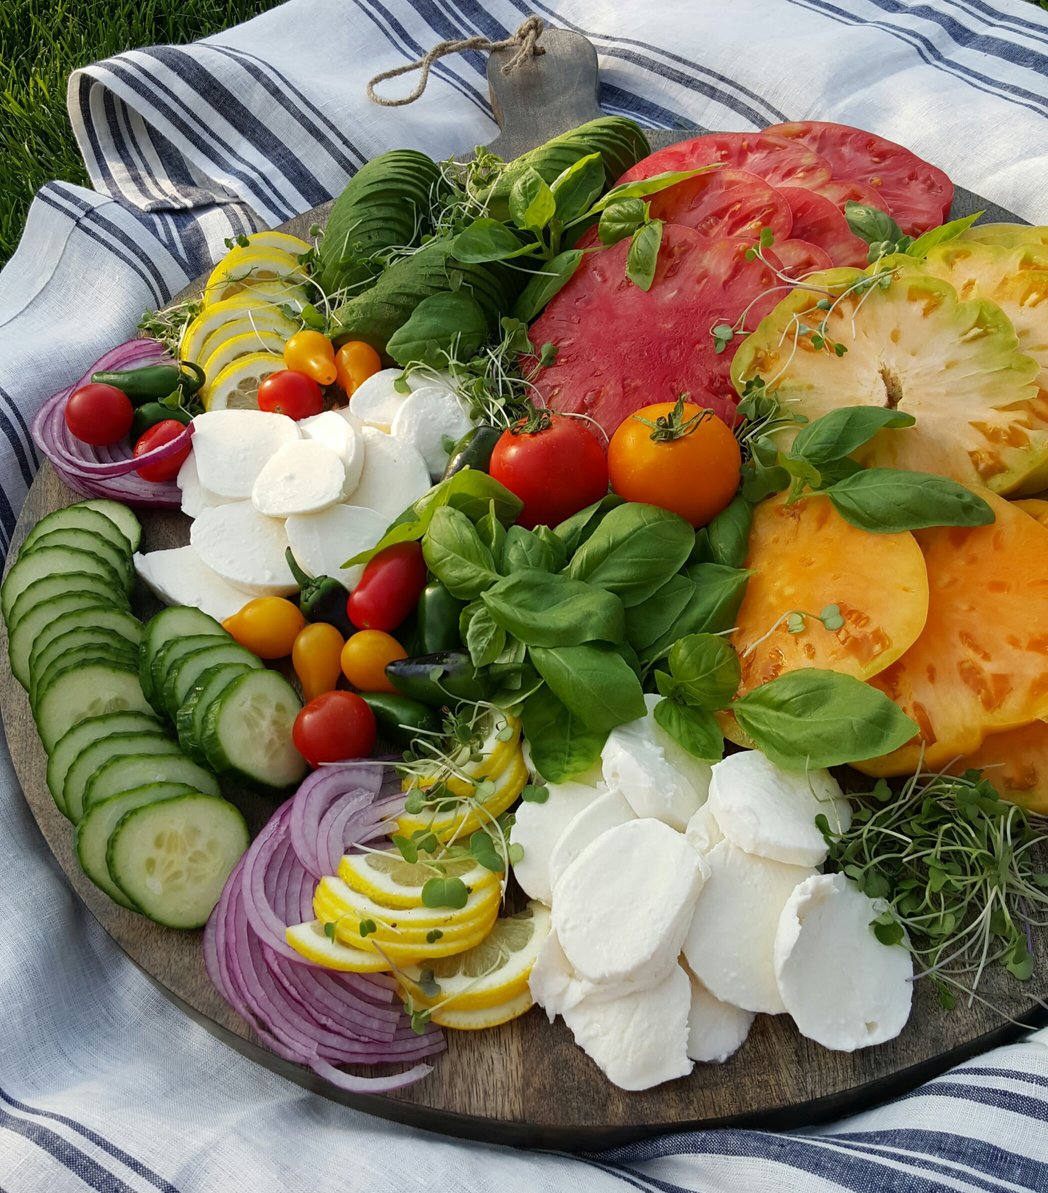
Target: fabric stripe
{"points": [[961, 35], [27, 464], [1009, 1074], [81, 1165], [1006, 20], [1034, 1108]]}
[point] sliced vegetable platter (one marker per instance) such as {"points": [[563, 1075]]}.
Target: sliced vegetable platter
{"points": [[525, 1081]]}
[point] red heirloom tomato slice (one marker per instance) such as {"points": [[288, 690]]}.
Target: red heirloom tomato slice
{"points": [[917, 194], [776, 160], [841, 191], [817, 220], [725, 203], [799, 257], [620, 348]]}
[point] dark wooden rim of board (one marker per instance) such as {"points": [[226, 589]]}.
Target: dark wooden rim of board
{"points": [[778, 1080]]}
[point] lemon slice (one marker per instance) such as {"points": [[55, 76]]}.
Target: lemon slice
{"points": [[236, 387], [413, 954], [235, 316], [268, 272], [268, 343], [334, 900], [482, 1017], [492, 972], [457, 823], [315, 945], [389, 880]]}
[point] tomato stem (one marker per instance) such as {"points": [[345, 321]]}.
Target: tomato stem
{"points": [[674, 425]]}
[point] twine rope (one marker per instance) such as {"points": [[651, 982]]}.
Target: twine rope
{"points": [[525, 39]]}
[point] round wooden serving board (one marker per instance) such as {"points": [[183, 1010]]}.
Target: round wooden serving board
{"points": [[526, 1083]]}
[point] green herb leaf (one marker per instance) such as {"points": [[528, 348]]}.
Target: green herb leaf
{"points": [[705, 670], [482, 847], [931, 239], [525, 549], [815, 718], [489, 240], [694, 729], [873, 225], [456, 556], [621, 219], [440, 325], [576, 188], [643, 255], [329, 930], [561, 744], [889, 500], [729, 533], [544, 610], [367, 927], [593, 682], [547, 280], [557, 551], [492, 534], [574, 531], [407, 846], [535, 793], [531, 202], [445, 892], [643, 187], [704, 600], [433, 935], [843, 431], [484, 640]]}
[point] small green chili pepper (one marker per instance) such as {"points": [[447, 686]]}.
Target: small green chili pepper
{"points": [[473, 450], [155, 381], [438, 619], [321, 598], [438, 679], [151, 413], [400, 719]]}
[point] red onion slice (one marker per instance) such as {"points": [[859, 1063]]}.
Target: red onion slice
{"points": [[324, 787]]}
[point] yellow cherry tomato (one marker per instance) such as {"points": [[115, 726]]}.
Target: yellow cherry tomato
{"points": [[267, 626], [317, 658], [355, 362], [311, 353], [364, 659]]}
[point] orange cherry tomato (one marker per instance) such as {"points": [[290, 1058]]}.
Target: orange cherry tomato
{"points": [[311, 353], [316, 657], [364, 659], [677, 456], [355, 362], [267, 626]]}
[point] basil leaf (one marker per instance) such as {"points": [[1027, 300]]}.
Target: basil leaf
{"points": [[561, 745], [814, 718], [718, 594], [524, 549], [484, 640], [546, 281], [558, 554], [441, 325], [634, 551], [704, 600], [843, 431], [531, 202], [647, 622], [931, 239], [889, 500], [621, 219], [643, 255], [760, 481], [574, 531], [544, 610], [697, 731], [576, 188], [649, 186], [705, 671], [594, 682], [489, 240], [492, 534], [871, 224], [729, 533], [456, 556]]}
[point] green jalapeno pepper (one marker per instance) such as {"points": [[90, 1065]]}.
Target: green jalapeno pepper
{"points": [[438, 619], [321, 598], [473, 450], [151, 413], [438, 679], [400, 719], [155, 381]]}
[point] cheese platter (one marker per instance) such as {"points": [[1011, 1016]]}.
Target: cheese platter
{"points": [[524, 1081]]}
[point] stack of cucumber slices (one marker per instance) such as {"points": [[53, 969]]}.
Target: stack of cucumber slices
{"points": [[152, 828]]}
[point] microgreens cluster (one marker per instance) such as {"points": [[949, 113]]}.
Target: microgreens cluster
{"points": [[167, 326]]}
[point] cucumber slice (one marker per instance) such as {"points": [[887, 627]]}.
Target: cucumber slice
{"points": [[136, 770], [73, 743], [177, 621], [85, 540], [247, 731], [108, 624], [94, 831], [123, 518], [82, 517], [169, 655], [120, 656], [189, 721], [172, 858], [85, 690], [40, 592], [104, 750], [58, 595], [56, 561], [185, 671]]}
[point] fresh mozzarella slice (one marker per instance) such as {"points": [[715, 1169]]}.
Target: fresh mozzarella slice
{"points": [[394, 475], [729, 944], [343, 437], [178, 577], [538, 827], [622, 908], [658, 777], [554, 984], [232, 447], [605, 812], [703, 831], [716, 1029], [376, 401], [640, 1039], [303, 477], [429, 419], [771, 812], [244, 547], [194, 496], [844, 989], [321, 543]]}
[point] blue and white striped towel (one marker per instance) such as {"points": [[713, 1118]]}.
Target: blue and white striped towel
{"points": [[103, 1083]]}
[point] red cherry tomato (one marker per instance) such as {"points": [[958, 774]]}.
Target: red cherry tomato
{"points": [[99, 414], [156, 436], [554, 464], [290, 393], [389, 588], [333, 727]]}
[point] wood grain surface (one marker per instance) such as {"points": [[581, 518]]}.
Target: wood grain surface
{"points": [[526, 1083]]}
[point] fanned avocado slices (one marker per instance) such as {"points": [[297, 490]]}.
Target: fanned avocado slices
{"points": [[897, 338]]}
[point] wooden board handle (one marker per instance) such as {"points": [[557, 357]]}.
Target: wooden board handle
{"points": [[546, 95]]}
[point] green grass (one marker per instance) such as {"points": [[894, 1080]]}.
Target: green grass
{"points": [[41, 42]]}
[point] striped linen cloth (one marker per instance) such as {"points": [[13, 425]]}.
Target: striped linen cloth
{"points": [[104, 1084]]}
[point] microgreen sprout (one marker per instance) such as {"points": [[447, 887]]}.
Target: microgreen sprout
{"points": [[796, 623], [167, 326]]}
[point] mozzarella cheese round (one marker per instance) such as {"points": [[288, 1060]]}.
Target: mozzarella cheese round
{"points": [[623, 906], [194, 496], [244, 547], [716, 1029], [658, 777], [394, 475], [771, 812], [342, 435], [302, 477], [843, 988], [233, 446], [538, 827], [428, 419], [605, 812], [729, 944], [179, 577], [703, 831], [321, 543]]}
